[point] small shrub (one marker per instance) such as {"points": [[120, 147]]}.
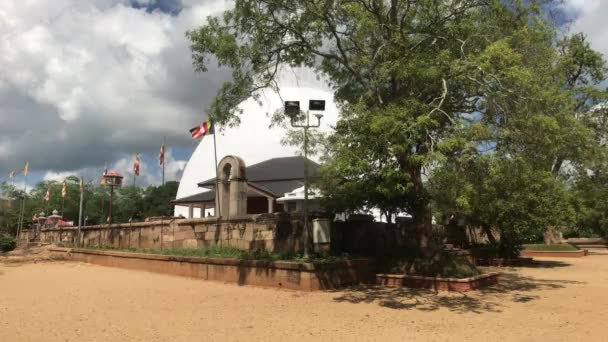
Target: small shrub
{"points": [[7, 243], [573, 233], [551, 248], [499, 249], [442, 264]]}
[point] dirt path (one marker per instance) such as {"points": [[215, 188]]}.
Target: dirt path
{"points": [[565, 300]]}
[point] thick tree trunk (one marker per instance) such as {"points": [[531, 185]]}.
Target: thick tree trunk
{"points": [[422, 219], [486, 229], [422, 216]]}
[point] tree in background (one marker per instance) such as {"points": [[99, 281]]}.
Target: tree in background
{"points": [[129, 202], [418, 83], [507, 195], [10, 200]]}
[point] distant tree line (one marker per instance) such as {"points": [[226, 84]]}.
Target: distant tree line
{"points": [[129, 202]]}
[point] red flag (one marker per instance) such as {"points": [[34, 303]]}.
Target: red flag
{"points": [[64, 190], [47, 196], [136, 165], [161, 156], [205, 127]]}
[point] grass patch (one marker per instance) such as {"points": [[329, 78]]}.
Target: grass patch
{"points": [[551, 248], [226, 252]]}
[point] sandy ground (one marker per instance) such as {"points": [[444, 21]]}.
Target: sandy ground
{"points": [[566, 299]]}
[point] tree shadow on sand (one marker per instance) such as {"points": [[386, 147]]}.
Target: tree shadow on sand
{"points": [[512, 287]]}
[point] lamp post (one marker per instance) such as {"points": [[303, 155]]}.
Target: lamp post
{"points": [[112, 180], [292, 110]]}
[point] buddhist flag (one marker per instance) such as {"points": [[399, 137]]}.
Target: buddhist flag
{"points": [[205, 128], [81, 185], [161, 156], [136, 164], [47, 196], [105, 172], [26, 168], [64, 189]]}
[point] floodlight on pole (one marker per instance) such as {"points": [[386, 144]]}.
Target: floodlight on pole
{"points": [[292, 110]]}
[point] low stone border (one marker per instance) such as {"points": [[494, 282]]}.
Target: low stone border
{"points": [[554, 254], [304, 276], [502, 262], [436, 283]]}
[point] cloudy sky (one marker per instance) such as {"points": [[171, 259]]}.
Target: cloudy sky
{"points": [[88, 83]]}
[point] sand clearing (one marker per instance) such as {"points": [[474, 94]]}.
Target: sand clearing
{"points": [[566, 300]]}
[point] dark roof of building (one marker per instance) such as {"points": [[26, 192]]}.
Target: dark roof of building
{"points": [[276, 169], [207, 196], [275, 176]]}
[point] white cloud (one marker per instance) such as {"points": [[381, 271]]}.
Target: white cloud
{"points": [[58, 176], [592, 21], [86, 81]]}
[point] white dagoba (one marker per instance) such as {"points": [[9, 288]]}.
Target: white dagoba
{"points": [[254, 140]]}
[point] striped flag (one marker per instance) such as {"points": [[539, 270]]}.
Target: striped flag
{"points": [[26, 168], [64, 189], [136, 164], [105, 172], [81, 185], [47, 196], [161, 156], [204, 128], [11, 175]]}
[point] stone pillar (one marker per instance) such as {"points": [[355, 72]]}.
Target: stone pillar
{"points": [[232, 187], [190, 211], [270, 205], [238, 198]]}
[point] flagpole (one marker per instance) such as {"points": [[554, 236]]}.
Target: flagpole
{"points": [[217, 189], [164, 149], [80, 210], [20, 225], [62, 206]]}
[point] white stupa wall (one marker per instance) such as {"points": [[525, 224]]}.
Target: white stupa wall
{"points": [[254, 140]]}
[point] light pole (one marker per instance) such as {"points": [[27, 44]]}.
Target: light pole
{"points": [[112, 180], [292, 110]]}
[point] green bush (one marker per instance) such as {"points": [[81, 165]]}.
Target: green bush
{"points": [[551, 248], [442, 264], [499, 249], [578, 232], [7, 243]]}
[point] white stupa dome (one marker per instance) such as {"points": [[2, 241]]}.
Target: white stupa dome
{"points": [[254, 140]]}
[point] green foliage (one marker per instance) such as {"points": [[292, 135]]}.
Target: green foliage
{"points": [[507, 249], [128, 202], [228, 252], [442, 264], [556, 248], [590, 199], [508, 194], [421, 86], [7, 243], [10, 200]]}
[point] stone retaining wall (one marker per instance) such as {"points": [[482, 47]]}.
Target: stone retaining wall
{"points": [[554, 254], [282, 274], [436, 283], [278, 233]]}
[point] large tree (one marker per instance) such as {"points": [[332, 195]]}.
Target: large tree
{"points": [[411, 78]]}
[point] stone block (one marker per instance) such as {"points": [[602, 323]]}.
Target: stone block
{"points": [[189, 243], [265, 235], [209, 236]]}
